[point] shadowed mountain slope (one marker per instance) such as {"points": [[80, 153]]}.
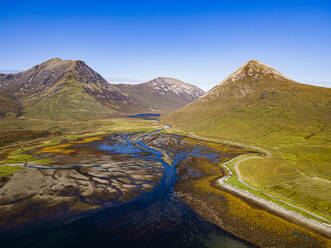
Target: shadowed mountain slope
{"points": [[9, 105], [161, 94]]}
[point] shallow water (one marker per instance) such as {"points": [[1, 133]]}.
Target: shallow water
{"points": [[158, 219], [146, 116], [155, 219]]}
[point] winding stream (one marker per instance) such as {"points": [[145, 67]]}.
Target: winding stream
{"points": [[154, 219]]}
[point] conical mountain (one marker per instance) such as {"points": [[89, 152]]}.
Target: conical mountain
{"points": [[161, 94], [255, 100], [258, 106]]}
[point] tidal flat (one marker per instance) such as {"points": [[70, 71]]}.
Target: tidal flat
{"points": [[136, 189]]}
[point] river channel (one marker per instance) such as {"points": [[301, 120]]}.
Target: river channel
{"points": [[157, 218]]}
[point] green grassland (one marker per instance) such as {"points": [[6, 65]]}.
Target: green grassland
{"points": [[233, 180], [290, 120], [76, 126], [11, 137]]}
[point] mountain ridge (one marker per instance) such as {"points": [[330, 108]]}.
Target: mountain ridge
{"points": [[41, 91]]}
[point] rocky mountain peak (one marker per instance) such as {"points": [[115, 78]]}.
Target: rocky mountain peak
{"points": [[254, 70], [165, 85], [58, 63], [52, 60], [45, 75], [50, 63], [245, 80]]}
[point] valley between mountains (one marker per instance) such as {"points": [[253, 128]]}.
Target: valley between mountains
{"points": [[246, 164]]}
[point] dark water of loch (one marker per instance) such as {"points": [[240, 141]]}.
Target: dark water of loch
{"points": [[146, 116], [155, 219]]}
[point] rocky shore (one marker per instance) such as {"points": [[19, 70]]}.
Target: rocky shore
{"points": [[242, 215]]}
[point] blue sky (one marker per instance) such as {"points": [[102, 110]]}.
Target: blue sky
{"points": [[200, 42]]}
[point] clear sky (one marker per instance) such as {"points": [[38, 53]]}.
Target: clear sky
{"points": [[200, 42]]}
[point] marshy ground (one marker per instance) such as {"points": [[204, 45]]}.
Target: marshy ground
{"points": [[81, 176]]}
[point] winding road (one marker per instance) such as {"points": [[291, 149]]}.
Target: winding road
{"points": [[324, 227]]}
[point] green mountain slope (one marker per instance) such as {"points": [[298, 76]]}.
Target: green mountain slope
{"points": [[66, 100], [9, 105], [63, 89], [161, 94], [258, 106]]}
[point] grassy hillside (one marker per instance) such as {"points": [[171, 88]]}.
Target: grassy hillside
{"points": [[63, 89], [8, 105], [66, 100], [258, 106]]}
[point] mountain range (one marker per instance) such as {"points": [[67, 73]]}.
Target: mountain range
{"points": [[69, 89], [256, 105]]}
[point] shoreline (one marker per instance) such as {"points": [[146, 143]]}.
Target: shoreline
{"points": [[272, 208], [292, 216], [296, 217]]}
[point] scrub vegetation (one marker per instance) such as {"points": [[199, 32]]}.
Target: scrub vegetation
{"points": [[74, 131]]}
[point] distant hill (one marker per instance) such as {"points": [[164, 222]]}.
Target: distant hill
{"points": [[69, 89], [161, 94], [257, 105]]}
